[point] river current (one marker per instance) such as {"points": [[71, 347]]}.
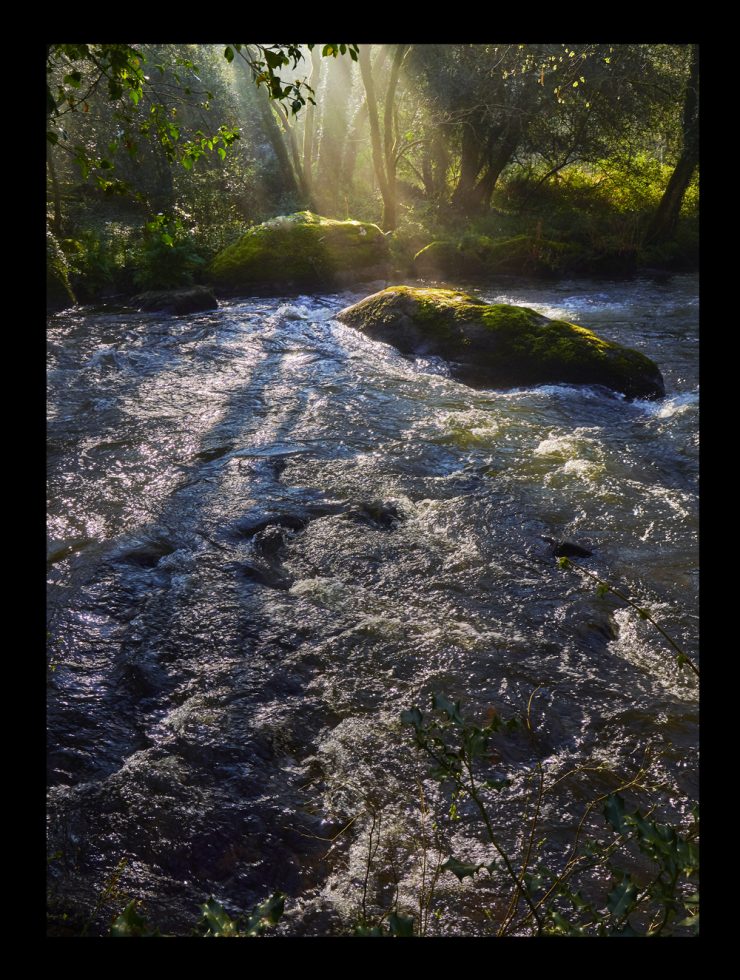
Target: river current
{"points": [[269, 535]]}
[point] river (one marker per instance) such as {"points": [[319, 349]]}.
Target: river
{"points": [[269, 535]]}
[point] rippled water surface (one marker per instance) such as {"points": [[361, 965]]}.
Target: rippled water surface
{"points": [[269, 535]]}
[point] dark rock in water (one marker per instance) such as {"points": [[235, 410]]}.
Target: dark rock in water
{"points": [[377, 512], [499, 346], [193, 299], [302, 250], [273, 578], [567, 549]]}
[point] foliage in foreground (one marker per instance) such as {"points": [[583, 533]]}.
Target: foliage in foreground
{"points": [[602, 888], [214, 922]]}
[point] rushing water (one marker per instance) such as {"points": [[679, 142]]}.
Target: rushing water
{"points": [[269, 535]]}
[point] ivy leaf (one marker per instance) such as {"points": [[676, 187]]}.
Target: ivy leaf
{"points": [[621, 899], [266, 914], [450, 708], [130, 923], [216, 920], [401, 925], [615, 813], [412, 717], [461, 870]]}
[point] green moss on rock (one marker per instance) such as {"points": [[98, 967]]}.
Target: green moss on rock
{"points": [[495, 345], [300, 250]]}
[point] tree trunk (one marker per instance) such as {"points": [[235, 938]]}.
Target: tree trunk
{"points": [[499, 159], [383, 149], [464, 198], [334, 131], [295, 155], [665, 220], [353, 140], [277, 142], [56, 195], [310, 121]]}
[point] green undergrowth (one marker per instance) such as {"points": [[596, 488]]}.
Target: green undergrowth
{"points": [[584, 220]]}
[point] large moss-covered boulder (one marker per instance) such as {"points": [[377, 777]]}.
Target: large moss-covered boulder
{"points": [[302, 250], [492, 345]]}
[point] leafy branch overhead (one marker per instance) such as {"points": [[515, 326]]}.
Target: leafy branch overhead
{"points": [[77, 74], [265, 61]]}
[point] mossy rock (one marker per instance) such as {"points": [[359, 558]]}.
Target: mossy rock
{"points": [[59, 294], [498, 346], [302, 250]]}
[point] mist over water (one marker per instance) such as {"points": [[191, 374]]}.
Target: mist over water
{"points": [[269, 535]]}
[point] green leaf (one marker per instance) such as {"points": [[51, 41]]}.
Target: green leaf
{"points": [[74, 79], [615, 813], [272, 909], [602, 589], [217, 921], [327, 50], [222, 152], [621, 899], [461, 870], [450, 708], [412, 717], [691, 920], [229, 54], [401, 925], [53, 138], [130, 923], [167, 239]]}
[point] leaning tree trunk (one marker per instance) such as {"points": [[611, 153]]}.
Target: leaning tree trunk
{"points": [[665, 220]]}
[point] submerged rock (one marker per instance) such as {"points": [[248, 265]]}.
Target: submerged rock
{"points": [[191, 299], [301, 250], [492, 345]]}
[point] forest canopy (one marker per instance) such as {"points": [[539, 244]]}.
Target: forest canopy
{"points": [[158, 156]]}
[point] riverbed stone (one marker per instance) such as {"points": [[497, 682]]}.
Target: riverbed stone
{"points": [[500, 346], [302, 250], [191, 299]]}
